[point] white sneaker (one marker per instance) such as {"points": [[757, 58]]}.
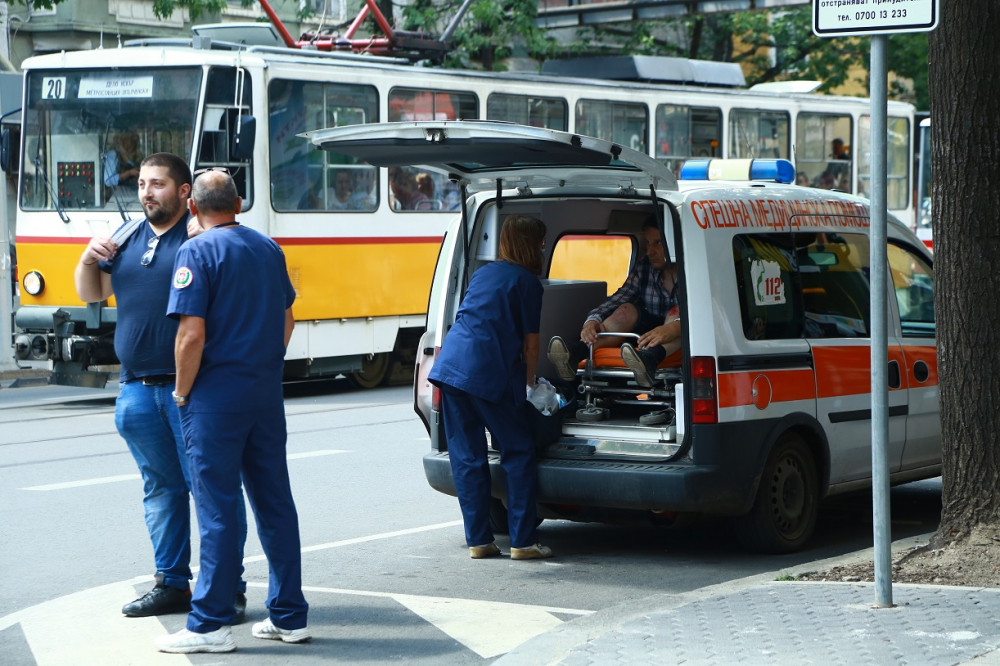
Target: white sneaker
{"points": [[268, 631], [184, 641]]}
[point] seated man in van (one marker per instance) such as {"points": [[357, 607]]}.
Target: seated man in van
{"points": [[645, 304]]}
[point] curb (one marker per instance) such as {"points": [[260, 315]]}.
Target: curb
{"points": [[555, 644]]}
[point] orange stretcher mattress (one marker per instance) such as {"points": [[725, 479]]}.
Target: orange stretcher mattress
{"points": [[611, 357]]}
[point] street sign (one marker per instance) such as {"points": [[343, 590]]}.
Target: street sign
{"points": [[857, 18]]}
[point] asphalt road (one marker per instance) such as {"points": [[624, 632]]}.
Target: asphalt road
{"points": [[387, 573]]}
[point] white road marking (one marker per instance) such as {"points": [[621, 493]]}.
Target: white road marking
{"points": [[136, 477], [464, 619], [314, 454], [87, 628], [85, 482], [364, 539]]}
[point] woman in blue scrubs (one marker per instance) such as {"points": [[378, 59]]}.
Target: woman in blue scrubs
{"points": [[484, 366]]}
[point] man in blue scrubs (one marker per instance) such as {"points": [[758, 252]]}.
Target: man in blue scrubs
{"points": [[233, 298], [138, 272]]}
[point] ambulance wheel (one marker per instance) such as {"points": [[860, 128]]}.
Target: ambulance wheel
{"points": [[374, 372], [784, 512], [498, 517]]}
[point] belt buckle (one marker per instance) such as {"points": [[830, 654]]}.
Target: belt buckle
{"points": [[157, 380]]}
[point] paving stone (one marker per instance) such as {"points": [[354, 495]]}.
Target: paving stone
{"points": [[808, 624]]}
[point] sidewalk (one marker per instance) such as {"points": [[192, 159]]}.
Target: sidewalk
{"points": [[759, 620]]}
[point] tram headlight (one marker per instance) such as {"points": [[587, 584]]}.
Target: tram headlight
{"points": [[33, 283]]}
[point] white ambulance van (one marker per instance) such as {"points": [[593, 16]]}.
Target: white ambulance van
{"points": [[767, 409]]}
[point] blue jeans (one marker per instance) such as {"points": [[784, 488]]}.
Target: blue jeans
{"points": [[149, 422]]}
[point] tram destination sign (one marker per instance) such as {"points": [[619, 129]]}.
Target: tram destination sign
{"points": [[858, 18]]}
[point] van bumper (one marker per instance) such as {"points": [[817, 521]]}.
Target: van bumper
{"points": [[680, 487]]}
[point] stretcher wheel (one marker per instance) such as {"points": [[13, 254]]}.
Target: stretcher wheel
{"points": [[593, 414], [655, 418]]}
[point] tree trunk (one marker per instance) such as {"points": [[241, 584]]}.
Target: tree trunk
{"points": [[964, 80]]}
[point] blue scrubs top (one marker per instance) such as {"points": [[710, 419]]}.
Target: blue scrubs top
{"points": [[144, 335], [237, 281], [481, 354]]}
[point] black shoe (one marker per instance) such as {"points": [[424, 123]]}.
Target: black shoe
{"points": [[241, 608], [642, 363], [161, 600], [566, 357]]}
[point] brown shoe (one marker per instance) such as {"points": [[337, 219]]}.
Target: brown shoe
{"points": [[481, 552], [559, 356], [536, 552]]}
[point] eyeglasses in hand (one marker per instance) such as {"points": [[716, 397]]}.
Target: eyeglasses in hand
{"points": [[147, 257]]}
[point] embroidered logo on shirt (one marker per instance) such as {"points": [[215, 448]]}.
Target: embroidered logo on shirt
{"points": [[183, 277]]}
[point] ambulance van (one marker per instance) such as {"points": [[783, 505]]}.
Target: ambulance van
{"points": [[767, 409]]}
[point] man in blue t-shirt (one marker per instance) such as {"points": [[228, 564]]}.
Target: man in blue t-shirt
{"points": [[138, 272], [233, 297]]}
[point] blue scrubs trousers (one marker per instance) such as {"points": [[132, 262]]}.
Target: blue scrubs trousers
{"points": [[150, 423], [220, 445], [465, 419]]}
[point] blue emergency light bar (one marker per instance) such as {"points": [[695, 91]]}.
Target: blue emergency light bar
{"points": [[779, 171]]}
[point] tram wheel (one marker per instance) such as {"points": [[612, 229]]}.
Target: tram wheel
{"points": [[374, 371]]}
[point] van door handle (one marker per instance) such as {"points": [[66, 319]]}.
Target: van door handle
{"points": [[895, 380]]}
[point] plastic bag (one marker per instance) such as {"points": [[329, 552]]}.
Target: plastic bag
{"points": [[544, 397]]}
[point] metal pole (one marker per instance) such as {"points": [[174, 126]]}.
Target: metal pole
{"points": [[879, 334]]}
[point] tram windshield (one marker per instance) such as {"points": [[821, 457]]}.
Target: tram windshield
{"points": [[87, 131]]}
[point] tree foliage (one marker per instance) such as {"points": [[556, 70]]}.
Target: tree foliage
{"points": [[490, 32]]}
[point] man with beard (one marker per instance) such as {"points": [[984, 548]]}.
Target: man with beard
{"points": [[138, 273]]}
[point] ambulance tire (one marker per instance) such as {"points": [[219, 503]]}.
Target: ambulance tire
{"points": [[498, 517], [374, 372], [784, 512]]}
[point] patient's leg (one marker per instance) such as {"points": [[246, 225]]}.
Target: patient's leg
{"points": [[622, 320]]}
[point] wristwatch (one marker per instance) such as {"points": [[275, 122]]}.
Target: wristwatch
{"points": [[178, 399]]}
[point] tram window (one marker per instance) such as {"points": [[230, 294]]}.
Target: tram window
{"points": [[548, 112], [897, 161], [82, 148], [823, 155], [304, 178], [683, 132], [411, 190], [756, 134], [623, 123], [411, 104], [227, 97]]}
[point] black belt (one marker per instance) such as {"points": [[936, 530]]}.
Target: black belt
{"points": [[158, 380]]}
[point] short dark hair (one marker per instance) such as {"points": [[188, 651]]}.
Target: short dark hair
{"points": [[215, 194], [177, 169]]}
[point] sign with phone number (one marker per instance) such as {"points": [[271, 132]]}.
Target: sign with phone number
{"points": [[843, 18]]}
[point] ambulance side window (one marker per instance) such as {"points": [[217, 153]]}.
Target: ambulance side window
{"points": [[770, 303], [913, 280], [833, 272]]}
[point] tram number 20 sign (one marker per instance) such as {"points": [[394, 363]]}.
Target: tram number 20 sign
{"points": [[842, 18]]}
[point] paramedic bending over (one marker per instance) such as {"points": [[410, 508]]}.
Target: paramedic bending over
{"points": [[485, 362], [646, 304]]}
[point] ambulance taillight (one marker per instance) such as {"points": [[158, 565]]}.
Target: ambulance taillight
{"points": [[704, 403], [435, 391]]}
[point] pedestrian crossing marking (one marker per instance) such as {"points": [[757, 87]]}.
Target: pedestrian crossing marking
{"points": [[87, 628], [509, 624]]}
